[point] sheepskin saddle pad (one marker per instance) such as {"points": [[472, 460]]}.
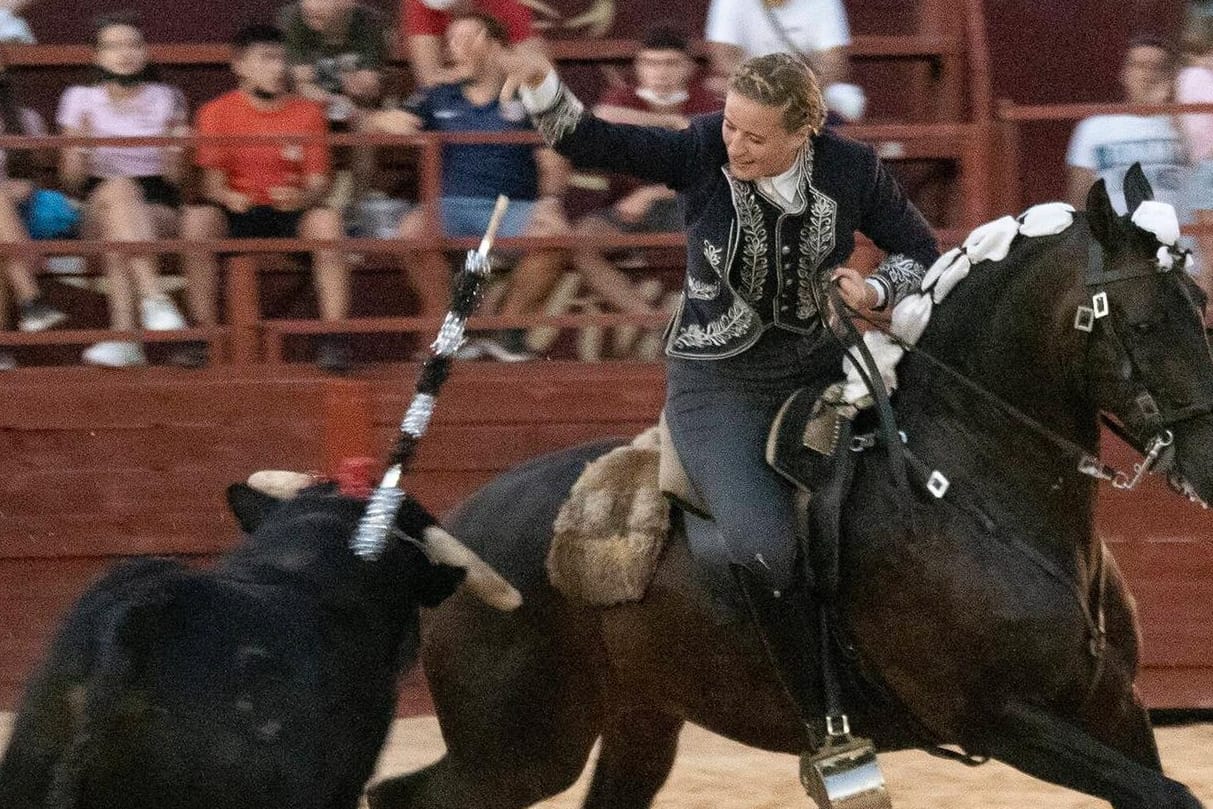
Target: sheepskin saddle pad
{"points": [[611, 530]]}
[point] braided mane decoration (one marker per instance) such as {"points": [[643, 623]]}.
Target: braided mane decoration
{"points": [[989, 242]]}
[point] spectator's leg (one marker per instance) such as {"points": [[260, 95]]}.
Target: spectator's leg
{"points": [[426, 273], [97, 218], [201, 267], [537, 271], [12, 231], [125, 216], [601, 275], [330, 272]]}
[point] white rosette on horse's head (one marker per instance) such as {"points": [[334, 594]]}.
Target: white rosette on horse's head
{"points": [[1047, 219], [1158, 218], [1166, 258], [885, 352]]}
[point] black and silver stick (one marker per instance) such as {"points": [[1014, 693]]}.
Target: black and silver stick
{"points": [[376, 523]]}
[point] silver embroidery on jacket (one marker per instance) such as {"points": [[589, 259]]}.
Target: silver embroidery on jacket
{"points": [[733, 323], [714, 256], [754, 263], [706, 290], [903, 273], [561, 118], [817, 239], [702, 290]]}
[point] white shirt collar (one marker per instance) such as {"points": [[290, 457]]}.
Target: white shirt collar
{"points": [[784, 189]]}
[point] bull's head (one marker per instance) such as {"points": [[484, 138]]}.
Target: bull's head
{"points": [[266, 495]]}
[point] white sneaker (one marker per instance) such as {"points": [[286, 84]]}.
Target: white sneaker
{"points": [[66, 265], [159, 314], [114, 354], [37, 316]]}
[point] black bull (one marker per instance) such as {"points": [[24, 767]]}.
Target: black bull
{"points": [[267, 683], [994, 617]]}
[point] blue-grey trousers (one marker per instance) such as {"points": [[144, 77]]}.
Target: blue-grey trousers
{"points": [[719, 413]]}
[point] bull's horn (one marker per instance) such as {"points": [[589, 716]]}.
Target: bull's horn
{"points": [[280, 484], [486, 583]]}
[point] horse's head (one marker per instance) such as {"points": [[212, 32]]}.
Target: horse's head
{"points": [[1147, 362]]}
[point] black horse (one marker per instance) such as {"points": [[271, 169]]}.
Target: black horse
{"points": [[992, 618]]}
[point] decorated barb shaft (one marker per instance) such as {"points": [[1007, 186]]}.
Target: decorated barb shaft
{"points": [[371, 535]]}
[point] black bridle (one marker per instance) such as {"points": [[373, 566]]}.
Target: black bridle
{"points": [[1154, 439]]}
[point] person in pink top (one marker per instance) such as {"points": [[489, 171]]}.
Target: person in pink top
{"points": [[1194, 85], [131, 192]]}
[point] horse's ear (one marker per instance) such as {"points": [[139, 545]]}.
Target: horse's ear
{"points": [[1137, 188], [1101, 216]]}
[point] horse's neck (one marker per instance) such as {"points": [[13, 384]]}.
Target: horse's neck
{"points": [[1028, 484]]}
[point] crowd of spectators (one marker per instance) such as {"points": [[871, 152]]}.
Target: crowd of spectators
{"points": [[322, 67], [319, 68]]}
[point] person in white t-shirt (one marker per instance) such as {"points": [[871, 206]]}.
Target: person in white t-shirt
{"points": [[816, 29], [1106, 146]]}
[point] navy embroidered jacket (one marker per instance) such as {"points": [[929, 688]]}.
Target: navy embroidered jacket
{"points": [[750, 266]]}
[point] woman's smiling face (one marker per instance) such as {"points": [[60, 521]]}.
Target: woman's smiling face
{"points": [[757, 142]]}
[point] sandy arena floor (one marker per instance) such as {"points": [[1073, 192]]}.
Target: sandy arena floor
{"points": [[714, 773]]}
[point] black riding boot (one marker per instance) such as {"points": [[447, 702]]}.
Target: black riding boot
{"points": [[787, 623], [838, 771]]}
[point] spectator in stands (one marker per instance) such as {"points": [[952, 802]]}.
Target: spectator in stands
{"points": [[815, 29], [26, 210], [665, 94], [337, 50], [131, 192], [1194, 85], [425, 23], [266, 190], [474, 174], [1105, 146]]}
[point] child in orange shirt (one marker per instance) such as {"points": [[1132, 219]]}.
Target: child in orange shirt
{"points": [[266, 190]]}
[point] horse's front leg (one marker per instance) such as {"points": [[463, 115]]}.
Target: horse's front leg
{"points": [[1053, 749]]}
